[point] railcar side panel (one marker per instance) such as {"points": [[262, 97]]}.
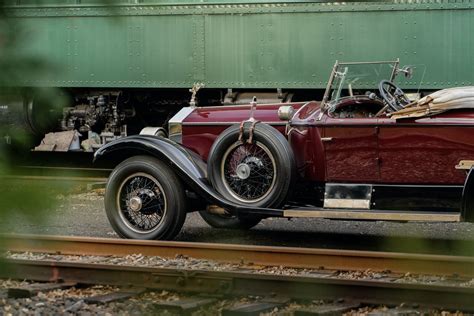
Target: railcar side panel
{"points": [[243, 45]]}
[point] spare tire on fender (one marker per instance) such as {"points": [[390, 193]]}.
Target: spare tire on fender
{"points": [[257, 174]]}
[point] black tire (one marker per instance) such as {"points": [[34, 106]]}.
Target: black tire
{"points": [[139, 180], [229, 222], [269, 158]]}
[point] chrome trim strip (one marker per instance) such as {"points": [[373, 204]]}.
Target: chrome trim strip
{"points": [[175, 124], [347, 203], [227, 123], [181, 115], [248, 105], [385, 216], [398, 125], [151, 130], [326, 139]]}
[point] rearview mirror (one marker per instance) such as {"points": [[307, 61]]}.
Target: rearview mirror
{"points": [[407, 71]]}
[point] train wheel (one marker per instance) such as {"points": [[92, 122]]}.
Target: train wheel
{"points": [[229, 221], [257, 174], [144, 199]]}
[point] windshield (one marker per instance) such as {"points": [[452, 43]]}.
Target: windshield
{"points": [[350, 79]]}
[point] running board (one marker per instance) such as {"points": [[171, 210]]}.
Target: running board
{"points": [[374, 215]]}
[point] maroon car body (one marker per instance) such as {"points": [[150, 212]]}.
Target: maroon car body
{"points": [[374, 150], [344, 158]]}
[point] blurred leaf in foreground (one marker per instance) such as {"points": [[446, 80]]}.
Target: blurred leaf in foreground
{"points": [[19, 131]]}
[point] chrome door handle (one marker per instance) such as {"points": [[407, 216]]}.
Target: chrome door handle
{"points": [[326, 139]]}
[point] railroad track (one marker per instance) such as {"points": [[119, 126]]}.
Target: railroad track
{"points": [[260, 255], [49, 173], [365, 277]]}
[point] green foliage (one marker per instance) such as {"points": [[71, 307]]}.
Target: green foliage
{"points": [[27, 199], [14, 64]]}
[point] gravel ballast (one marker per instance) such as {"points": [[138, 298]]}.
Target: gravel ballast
{"points": [[187, 263], [73, 301]]}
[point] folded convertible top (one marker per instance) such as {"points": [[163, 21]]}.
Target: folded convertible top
{"points": [[438, 102]]}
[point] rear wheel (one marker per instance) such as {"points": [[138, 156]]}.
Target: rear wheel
{"points": [[144, 199], [229, 221]]}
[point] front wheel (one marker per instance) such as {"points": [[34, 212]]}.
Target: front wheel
{"points": [[144, 199]]}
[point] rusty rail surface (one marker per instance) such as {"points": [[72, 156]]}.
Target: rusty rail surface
{"points": [[219, 283], [49, 173], [260, 255], [54, 178]]}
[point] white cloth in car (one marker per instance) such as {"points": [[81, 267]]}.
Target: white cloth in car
{"points": [[438, 102]]}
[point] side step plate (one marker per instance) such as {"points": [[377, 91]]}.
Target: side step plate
{"points": [[373, 215]]}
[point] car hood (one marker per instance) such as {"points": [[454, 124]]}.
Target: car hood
{"points": [[231, 114]]}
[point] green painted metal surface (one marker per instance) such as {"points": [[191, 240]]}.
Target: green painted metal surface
{"points": [[248, 44]]}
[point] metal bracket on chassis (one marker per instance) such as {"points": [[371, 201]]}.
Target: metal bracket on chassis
{"points": [[251, 120], [251, 131], [467, 203]]}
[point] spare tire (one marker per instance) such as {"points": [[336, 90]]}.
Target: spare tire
{"points": [[253, 174]]}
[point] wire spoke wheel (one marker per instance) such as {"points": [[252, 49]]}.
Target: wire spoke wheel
{"points": [[141, 202], [144, 199], [248, 171], [258, 174]]}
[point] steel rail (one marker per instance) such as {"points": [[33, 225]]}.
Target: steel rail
{"points": [[50, 173], [243, 283], [55, 178], [330, 259]]}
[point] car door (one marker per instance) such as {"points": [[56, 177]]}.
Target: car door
{"points": [[351, 150], [425, 150]]}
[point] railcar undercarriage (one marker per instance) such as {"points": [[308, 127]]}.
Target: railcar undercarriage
{"points": [[83, 120]]}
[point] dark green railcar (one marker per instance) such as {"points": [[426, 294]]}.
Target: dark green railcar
{"points": [[140, 57]]}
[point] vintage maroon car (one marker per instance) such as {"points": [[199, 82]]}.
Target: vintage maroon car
{"points": [[357, 154]]}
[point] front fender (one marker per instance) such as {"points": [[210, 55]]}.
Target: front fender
{"points": [[187, 165], [467, 204]]}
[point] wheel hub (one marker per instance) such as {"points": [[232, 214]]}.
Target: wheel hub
{"points": [[135, 204], [142, 202], [248, 171], [243, 171]]}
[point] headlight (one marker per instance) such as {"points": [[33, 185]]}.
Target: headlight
{"points": [[285, 112]]}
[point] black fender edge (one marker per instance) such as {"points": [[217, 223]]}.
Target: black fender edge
{"points": [[188, 166], [467, 202]]}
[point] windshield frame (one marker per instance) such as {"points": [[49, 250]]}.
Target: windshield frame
{"points": [[324, 103]]}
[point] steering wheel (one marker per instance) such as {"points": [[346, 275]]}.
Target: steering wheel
{"points": [[393, 96]]}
